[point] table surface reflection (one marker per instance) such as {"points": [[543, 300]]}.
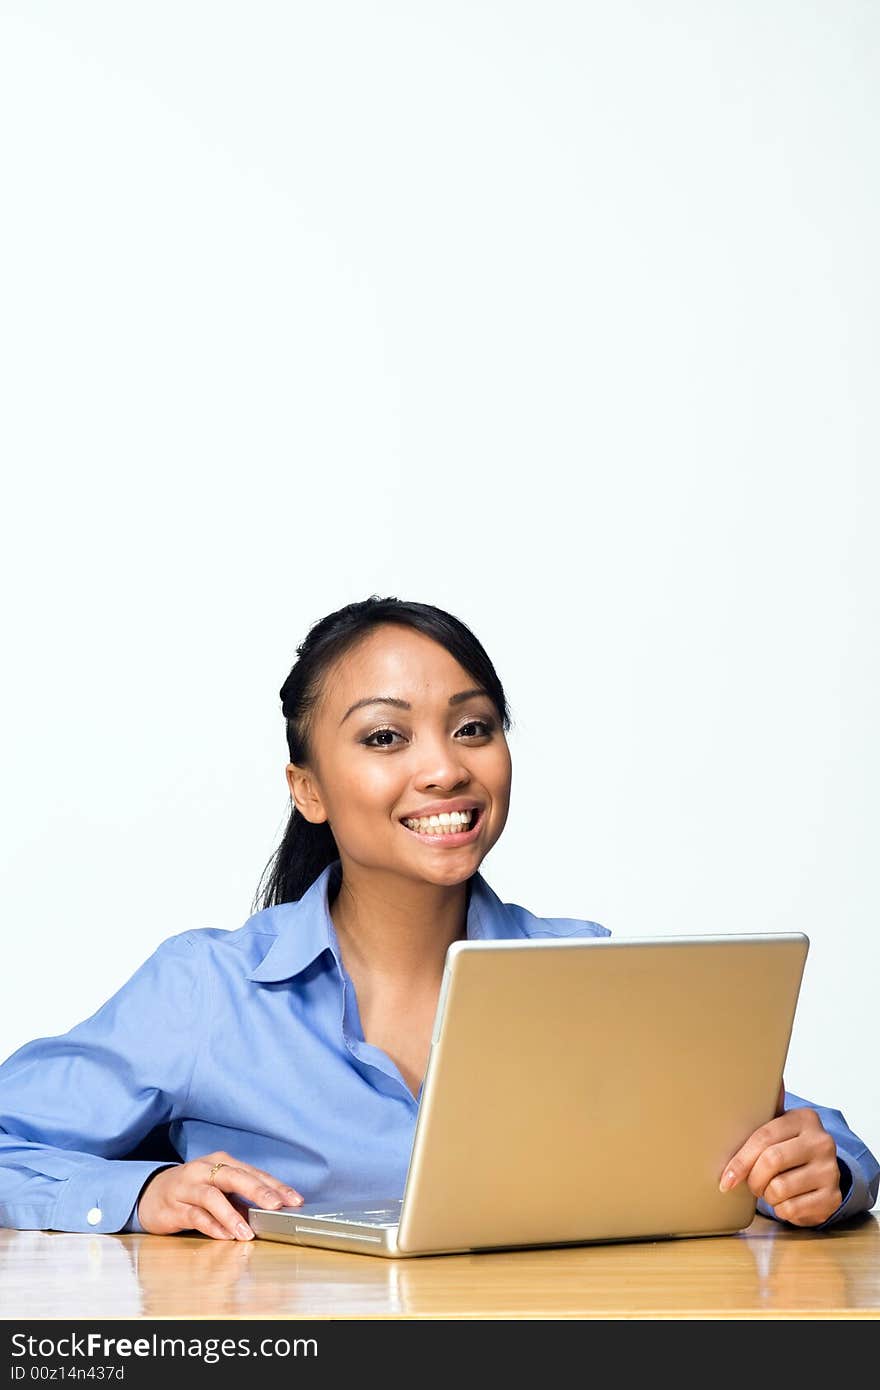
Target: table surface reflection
{"points": [[766, 1271]]}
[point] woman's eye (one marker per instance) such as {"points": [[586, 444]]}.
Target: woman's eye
{"points": [[377, 734], [472, 724], [483, 724]]}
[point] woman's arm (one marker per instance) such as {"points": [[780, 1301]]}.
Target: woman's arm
{"points": [[72, 1106]]}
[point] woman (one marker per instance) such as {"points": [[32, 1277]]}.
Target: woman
{"points": [[292, 1050]]}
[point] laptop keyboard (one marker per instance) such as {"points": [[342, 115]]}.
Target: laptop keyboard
{"points": [[382, 1217]]}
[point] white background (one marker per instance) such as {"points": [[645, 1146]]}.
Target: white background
{"points": [[561, 316]]}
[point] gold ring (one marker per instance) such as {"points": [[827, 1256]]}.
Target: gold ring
{"points": [[222, 1164]]}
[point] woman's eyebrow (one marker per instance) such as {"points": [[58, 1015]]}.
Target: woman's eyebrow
{"points": [[405, 704]]}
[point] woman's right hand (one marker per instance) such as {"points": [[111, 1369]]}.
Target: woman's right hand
{"points": [[186, 1198]]}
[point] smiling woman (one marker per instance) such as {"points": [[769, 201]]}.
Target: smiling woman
{"points": [[429, 742], [286, 1058]]}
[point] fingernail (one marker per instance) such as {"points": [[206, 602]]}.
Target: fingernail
{"points": [[244, 1232], [295, 1198], [727, 1181], [273, 1200]]}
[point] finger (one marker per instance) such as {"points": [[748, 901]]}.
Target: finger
{"points": [[289, 1195], [812, 1150], [195, 1218], [784, 1186], [809, 1208], [254, 1188], [224, 1214], [818, 1174], [777, 1130], [792, 1155], [286, 1192]]}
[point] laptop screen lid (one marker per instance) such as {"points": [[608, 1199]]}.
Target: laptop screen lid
{"points": [[592, 1089]]}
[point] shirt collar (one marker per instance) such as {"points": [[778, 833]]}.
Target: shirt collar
{"points": [[303, 929]]}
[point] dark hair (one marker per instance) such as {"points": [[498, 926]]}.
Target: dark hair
{"points": [[307, 848]]}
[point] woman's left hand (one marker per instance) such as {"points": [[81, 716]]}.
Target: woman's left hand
{"points": [[791, 1162]]}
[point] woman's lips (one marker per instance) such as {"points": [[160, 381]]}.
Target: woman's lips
{"points": [[449, 839]]}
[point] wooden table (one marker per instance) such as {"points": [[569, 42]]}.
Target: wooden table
{"points": [[768, 1271]]}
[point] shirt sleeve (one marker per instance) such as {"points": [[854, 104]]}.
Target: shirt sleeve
{"points": [[859, 1169], [72, 1106]]}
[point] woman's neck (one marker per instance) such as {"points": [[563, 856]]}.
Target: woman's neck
{"points": [[397, 930]]}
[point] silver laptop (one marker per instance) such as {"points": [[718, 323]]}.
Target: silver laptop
{"points": [[581, 1090]]}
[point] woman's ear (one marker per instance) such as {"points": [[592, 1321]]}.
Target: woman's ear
{"points": [[305, 793]]}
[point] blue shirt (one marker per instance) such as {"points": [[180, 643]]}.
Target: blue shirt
{"points": [[248, 1041]]}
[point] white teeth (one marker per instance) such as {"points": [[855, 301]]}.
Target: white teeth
{"points": [[447, 822]]}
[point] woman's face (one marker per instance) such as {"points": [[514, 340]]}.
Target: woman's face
{"points": [[376, 764]]}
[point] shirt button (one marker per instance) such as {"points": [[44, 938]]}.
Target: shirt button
{"points": [[94, 1216]]}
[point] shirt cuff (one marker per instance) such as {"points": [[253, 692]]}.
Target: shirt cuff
{"points": [[104, 1197], [132, 1225]]}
